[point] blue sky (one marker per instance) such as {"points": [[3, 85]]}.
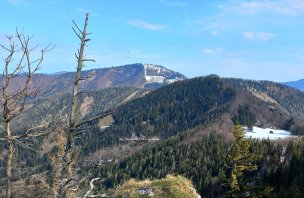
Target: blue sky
{"points": [[257, 39]]}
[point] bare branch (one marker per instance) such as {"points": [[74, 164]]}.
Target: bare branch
{"points": [[80, 31], [7, 49], [92, 60], [91, 187], [76, 33]]}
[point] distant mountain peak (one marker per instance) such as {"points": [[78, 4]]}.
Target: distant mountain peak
{"points": [[299, 84], [158, 68], [156, 74], [130, 75]]}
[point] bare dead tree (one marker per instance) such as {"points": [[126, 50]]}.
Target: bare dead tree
{"points": [[14, 101], [65, 180], [82, 35]]}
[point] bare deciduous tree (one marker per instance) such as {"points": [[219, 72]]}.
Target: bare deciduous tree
{"points": [[65, 179], [14, 100]]}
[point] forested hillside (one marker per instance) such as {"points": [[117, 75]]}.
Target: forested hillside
{"points": [[163, 112], [287, 99], [174, 108], [279, 171], [200, 101], [91, 103], [191, 123]]}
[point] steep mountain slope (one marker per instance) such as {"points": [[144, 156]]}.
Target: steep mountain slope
{"points": [[299, 84], [288, 101], [53, 110], [134, 75], [91, 103]]}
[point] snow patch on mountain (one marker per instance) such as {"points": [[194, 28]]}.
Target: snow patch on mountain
{"points": [[155, 79], [267, 133], [159, 74], [157, 68], [174, 80]]}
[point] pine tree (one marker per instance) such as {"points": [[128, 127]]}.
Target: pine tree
{"points": [[242, 160]]}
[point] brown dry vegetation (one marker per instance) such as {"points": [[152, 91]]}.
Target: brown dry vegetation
{"points": [[171, 186]]}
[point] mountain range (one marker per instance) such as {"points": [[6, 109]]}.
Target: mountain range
{"points": [[133, 75], [153, 111], [299, 84], [181, 104], [137, 75]]}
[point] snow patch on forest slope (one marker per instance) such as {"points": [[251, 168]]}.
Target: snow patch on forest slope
{"points": [[267, 133]]}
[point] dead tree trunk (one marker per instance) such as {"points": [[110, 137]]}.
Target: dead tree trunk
{"points": [[65, 179], [8, 129], [68, 180], [82, 35], [9, 167]]}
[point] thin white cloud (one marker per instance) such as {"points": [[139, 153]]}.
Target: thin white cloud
{"points": [[174, 3], [242, 15], [259, 36], [215, 33], [82, 10], [213, 51], [15, 2], [146, 25], [283, 7]]}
